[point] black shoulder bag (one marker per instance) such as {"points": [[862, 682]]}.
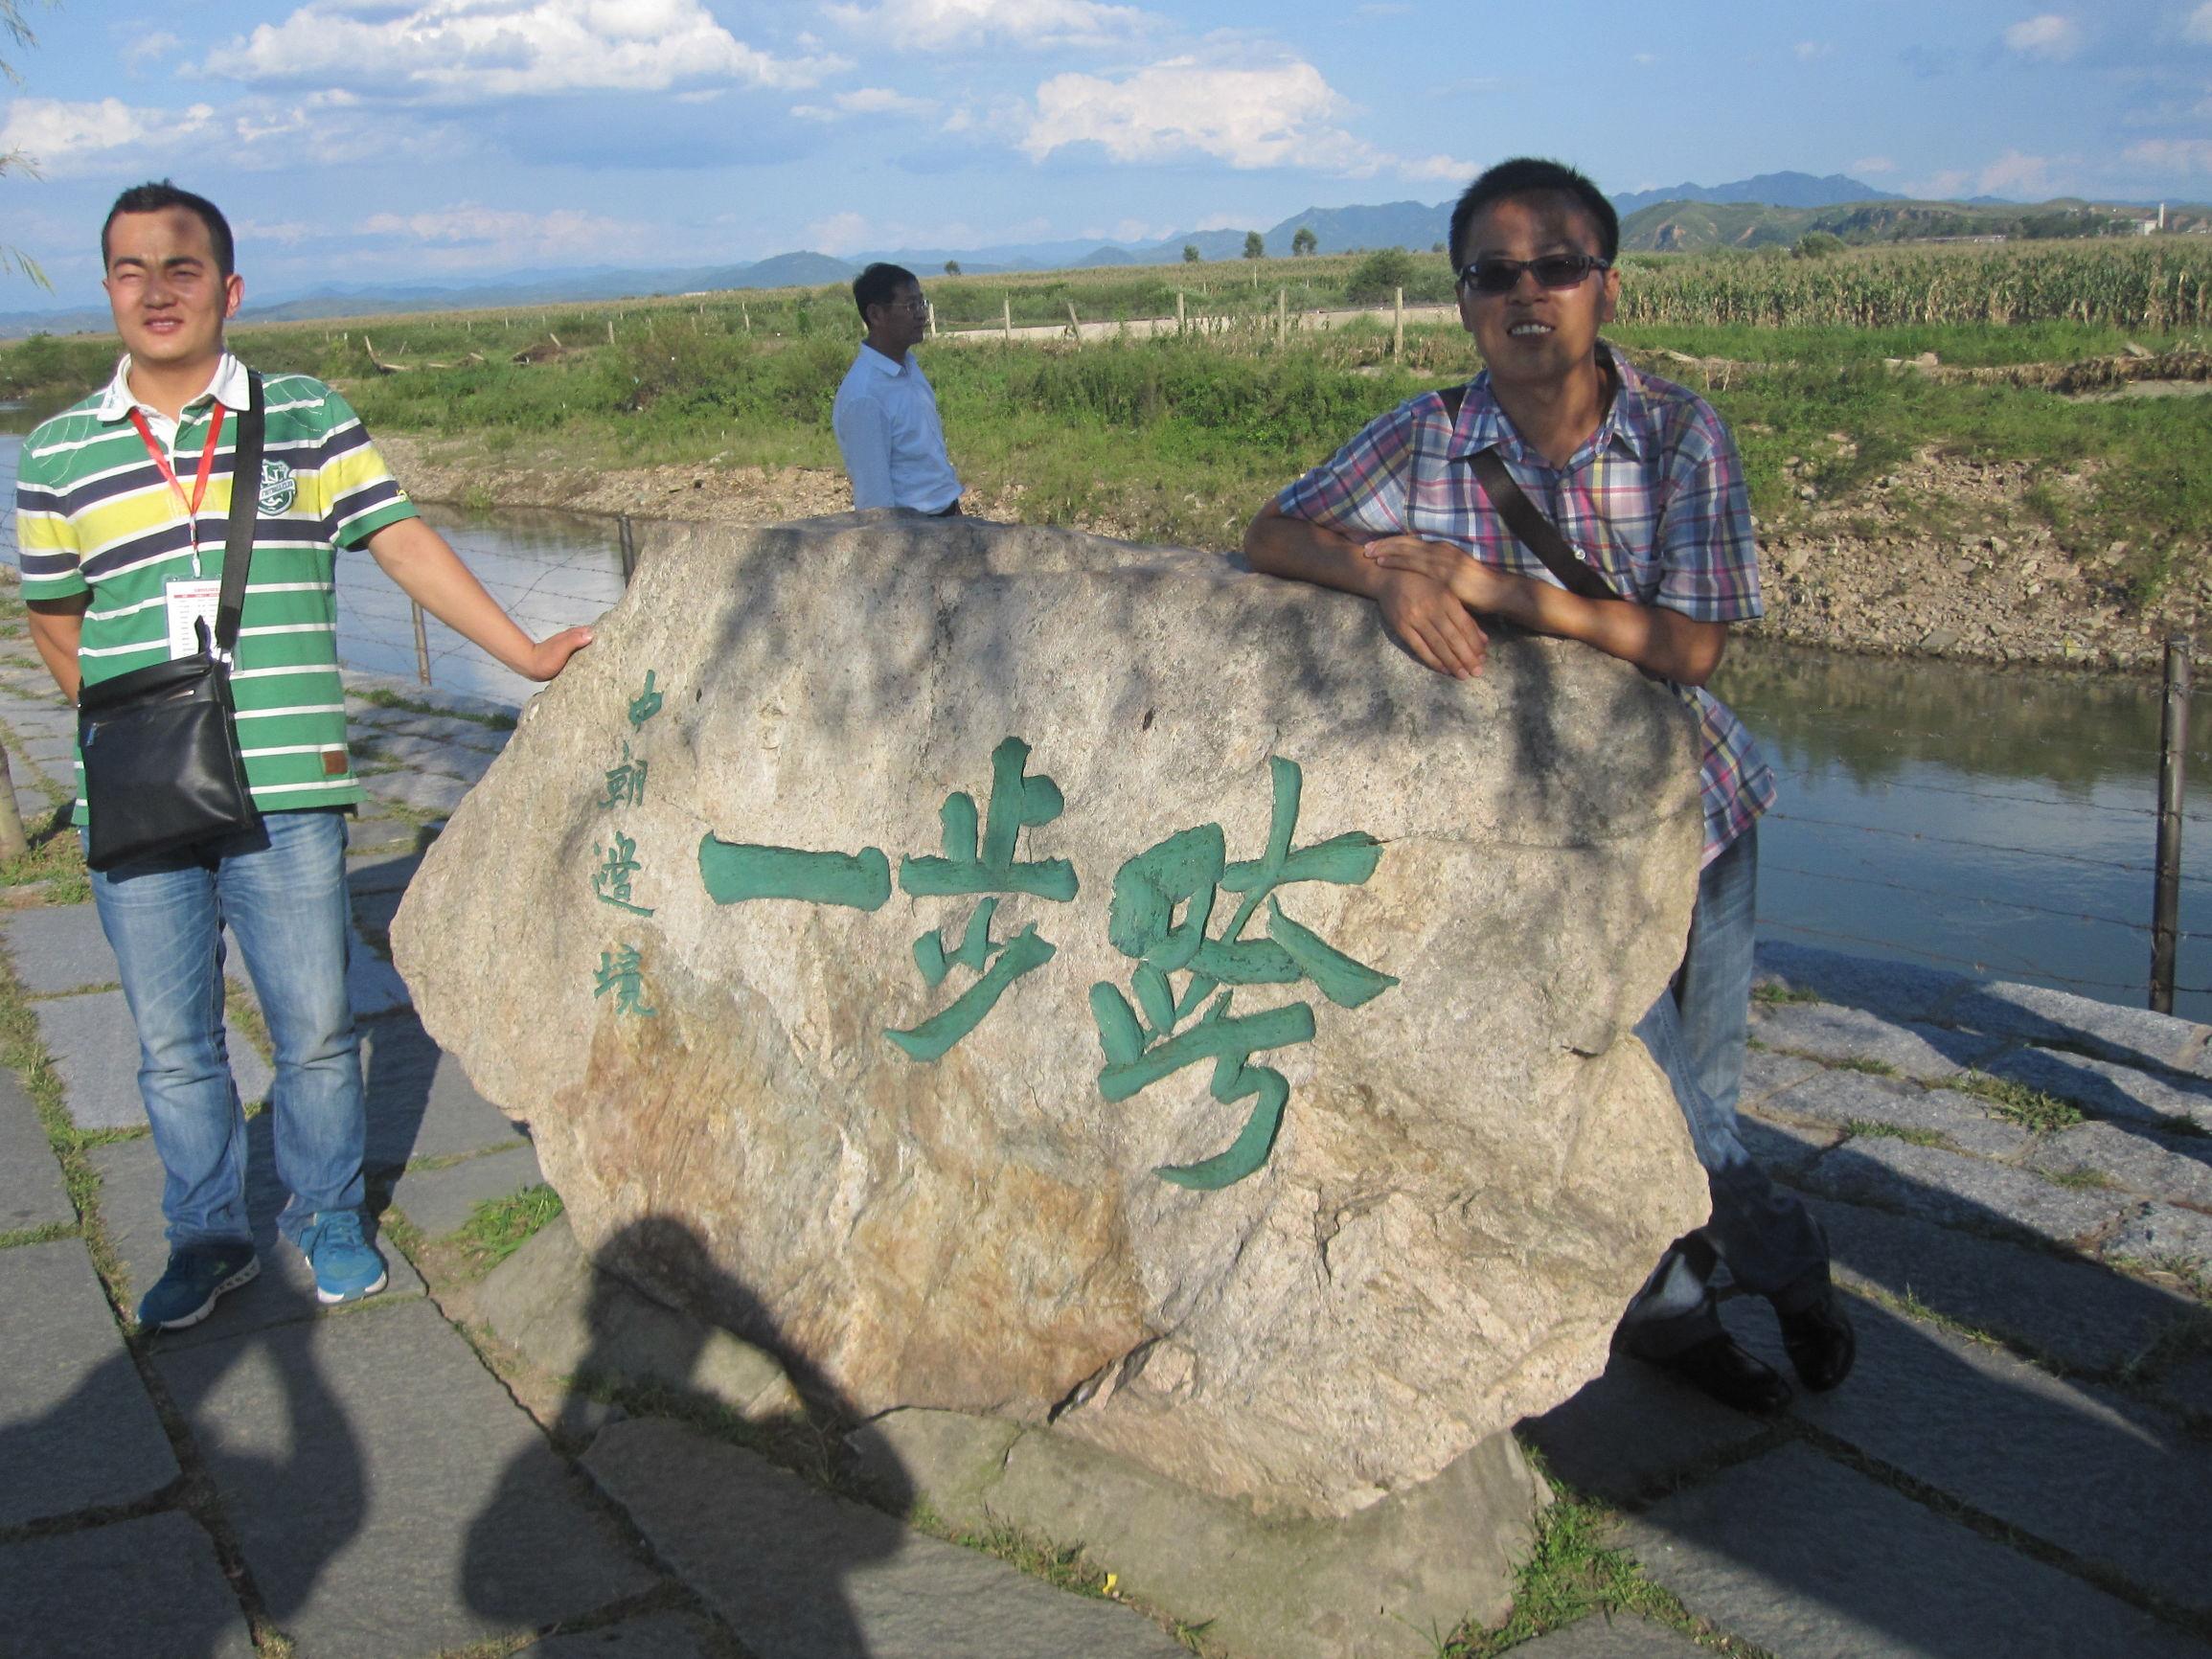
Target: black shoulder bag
{"points": [[1525, 519], [162, 767]]}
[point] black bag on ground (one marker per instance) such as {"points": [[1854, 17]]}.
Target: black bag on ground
{"points": [[162, 767]]}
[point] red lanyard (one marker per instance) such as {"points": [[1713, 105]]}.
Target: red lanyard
{"points": [[214, 432]]}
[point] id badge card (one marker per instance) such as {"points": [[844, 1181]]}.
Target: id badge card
{"points": [[190, 601]]}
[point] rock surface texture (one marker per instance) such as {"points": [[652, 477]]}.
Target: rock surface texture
{"points": [[1475, 1164]]}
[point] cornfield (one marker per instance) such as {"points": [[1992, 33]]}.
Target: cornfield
{"points": [[2154, 285]]}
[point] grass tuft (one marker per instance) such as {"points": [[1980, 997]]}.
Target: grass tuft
{"points": [[1866, 1127], [1773, 993], [384, 698], [2030, 1108], [498, 1227]]}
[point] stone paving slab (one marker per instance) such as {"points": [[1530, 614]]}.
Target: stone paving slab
{"points": [[421, 792], [1812, 1560], [30, 1190], [1900, 990], [2174, 1169], [796, 1571], [2132, 1036], [2078, 1313], [445, 729], [440, 1201], [95, 1050], [2163, 1234], [1831, 1033], [1843, 1097], [133, 1590], [389, 1497], [1785, 1149], [376, 834], [420, 1101], [659, 1636], [1614, 1636], [2107, 1090], [2105, 1477], [1766, 1074], [76, 1429], [387, 872], [1959, 1191], [1632, 1430], [130, 1178], [58, 948], [431, 756]]}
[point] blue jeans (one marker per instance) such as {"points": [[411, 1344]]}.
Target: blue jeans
{"points": [[1762, 1233], [282, 890]]}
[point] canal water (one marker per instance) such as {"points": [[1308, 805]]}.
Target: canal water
{"points": [[1993, 822]]}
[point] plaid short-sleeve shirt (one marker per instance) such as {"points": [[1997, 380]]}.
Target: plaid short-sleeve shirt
{"points": [[1655, 500]]}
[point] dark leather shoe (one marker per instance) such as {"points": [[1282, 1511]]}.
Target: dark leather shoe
{"points": [[1820, 1342], [1720, 1366]]}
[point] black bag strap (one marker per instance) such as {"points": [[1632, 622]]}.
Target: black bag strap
{"points": [[245, 508], [1524, 518]]}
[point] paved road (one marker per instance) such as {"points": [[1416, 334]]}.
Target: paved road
{"points": [[2022, 1463]]}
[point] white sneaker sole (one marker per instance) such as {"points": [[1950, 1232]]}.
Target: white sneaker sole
{"points": [[331, 1298], [250, 1271]]}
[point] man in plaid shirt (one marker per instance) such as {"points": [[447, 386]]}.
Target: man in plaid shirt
{"points": [[1642, 479]]}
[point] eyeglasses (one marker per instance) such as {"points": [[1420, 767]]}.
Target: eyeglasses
{"points": [[1555, 271]]}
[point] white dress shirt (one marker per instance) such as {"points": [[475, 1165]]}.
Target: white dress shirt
{"points": [[892, 442]]}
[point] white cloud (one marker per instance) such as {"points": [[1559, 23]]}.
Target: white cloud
{"points": [[2015, 175], [842, 232], [141, 50], [65, 138], [466, 49], [2048, 35], [1284, 115], [2174, 154], [2199, 27], [1644, 59], [468, 235], [936, 24], [866, 101], [1872, 164], [1808, 50]]}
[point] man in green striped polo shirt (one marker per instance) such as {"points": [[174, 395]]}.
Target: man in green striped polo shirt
{"points": [[121, 505]]}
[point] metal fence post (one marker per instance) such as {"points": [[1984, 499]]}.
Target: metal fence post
{"points": [[421, 644], [629, 547], [2173, 754]]}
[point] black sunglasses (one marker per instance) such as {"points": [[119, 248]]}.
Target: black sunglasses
{"points": [[1552, 271]]}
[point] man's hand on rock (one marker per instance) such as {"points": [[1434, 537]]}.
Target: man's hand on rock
{"points": [[1424, 616], [550, 654]]}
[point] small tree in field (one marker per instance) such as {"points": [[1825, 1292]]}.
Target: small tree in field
{"points": [[1305, 241], [1255, 245], [952, 267], [1190, 253]]}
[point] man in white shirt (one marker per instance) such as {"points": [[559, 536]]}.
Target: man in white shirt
{"points": [[886, 415]]}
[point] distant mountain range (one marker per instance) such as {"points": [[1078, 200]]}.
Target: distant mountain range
{"points": [[1768, 209]]}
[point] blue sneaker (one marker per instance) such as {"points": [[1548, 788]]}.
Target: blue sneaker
{"points": [[196, 1275], [347, 1266]]}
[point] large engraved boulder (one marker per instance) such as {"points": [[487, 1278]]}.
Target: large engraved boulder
{"points": [[1048, 977]]}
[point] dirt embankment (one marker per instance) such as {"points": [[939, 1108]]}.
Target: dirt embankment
{"points": [[1909, 567]]}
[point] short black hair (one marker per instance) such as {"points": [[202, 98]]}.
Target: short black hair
{"points": [[155, 195], [1528, 175], [874, 285]]}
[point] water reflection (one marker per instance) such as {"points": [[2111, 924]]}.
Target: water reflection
{"points": [[1993, 822]]}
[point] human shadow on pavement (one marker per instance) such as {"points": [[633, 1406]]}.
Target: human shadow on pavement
{"points": [[657, 1413]]}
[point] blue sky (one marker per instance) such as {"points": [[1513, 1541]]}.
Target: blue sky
{"points": [[428, 140]]}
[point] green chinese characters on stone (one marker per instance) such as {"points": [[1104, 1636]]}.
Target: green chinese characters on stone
{"points": [[644, 705], [611, 882], [735, 871], [978, 860], [1183, 874], [623, 971]]}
